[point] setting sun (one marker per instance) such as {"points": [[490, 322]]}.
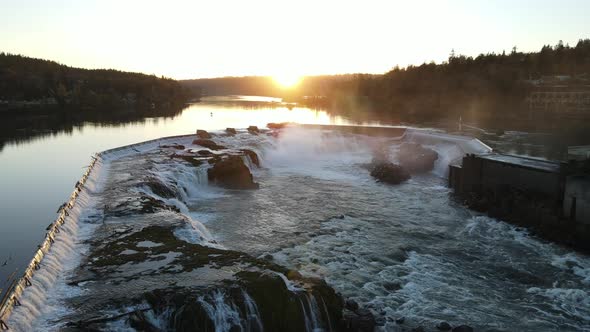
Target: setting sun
{"points": [[287, 81]]}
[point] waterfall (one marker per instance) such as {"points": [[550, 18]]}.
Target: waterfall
{"points": [[252, 316], [447, 154], [224, 315], [327, 314], [308, 324], [312, 314], [248, 163]]}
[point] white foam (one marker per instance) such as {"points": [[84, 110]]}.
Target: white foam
{"points": [[224, 315], [576, 263], [148, 244], [45, 298]]}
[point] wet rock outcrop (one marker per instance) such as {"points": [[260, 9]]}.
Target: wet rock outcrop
{"points": [[173, 146], [230, 131], [253, 130], [415, 158], [230, 172], [444, 326], [191, 287], [280, 125], [388, 172], [191, 159], [253, 156], [159, 188], [137, 205], [209, 144], [359, 320], [462, 328], [203, 134]]}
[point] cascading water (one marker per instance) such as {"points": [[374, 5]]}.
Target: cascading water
{"points": [[402, 251], [224, 314], [447, 154], [253, 322]]}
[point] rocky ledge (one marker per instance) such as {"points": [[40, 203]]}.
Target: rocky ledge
{"points": [[150, 267]]}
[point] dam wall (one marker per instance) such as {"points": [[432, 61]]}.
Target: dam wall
{"points": [[542, 195], [62, 233]]}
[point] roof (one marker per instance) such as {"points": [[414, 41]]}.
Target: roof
{"points": [[526, 162]]}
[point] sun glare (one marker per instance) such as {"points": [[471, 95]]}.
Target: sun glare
{"points": [[287, 81]]}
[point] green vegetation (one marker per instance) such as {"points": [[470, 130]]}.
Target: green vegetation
{"points": [[26, 82], [489, 85]]}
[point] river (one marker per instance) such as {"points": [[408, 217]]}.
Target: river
{"points": [[407, 251], [38, 174]]}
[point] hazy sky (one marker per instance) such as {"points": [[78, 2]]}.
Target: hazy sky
{"points": [[190, 39]]}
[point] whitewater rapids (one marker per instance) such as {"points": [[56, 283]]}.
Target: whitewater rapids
{"points": [[406, 251]]}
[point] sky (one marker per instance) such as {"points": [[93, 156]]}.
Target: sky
{"points": [[192, 39]]}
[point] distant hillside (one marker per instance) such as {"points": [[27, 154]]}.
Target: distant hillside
{"points": [[513, 84], [266, 86], [29, 82], [489, 85]]}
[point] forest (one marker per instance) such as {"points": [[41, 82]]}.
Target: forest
{"points": [[27, 83], [489, 85], [492, 85]]}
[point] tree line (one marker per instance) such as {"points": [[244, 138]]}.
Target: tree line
{"points": [[30, 81], [492, 85], [488, 85]]}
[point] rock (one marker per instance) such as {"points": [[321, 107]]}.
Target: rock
{"points": [[294, 275], [463, 328], [253, 156], [351, 304], [444, 326], [361, 320], [204, 153], [188, 158], [173, 146], [253, 130], [391, 286], [159, 188], [141, 205], [389, 172], [232, 173], [380, 321], [138, 321], [203, 134], [415, 158], [418, 329], [273, 125], [231, 131], [208, 144], [281, 309], [400, 320]]}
